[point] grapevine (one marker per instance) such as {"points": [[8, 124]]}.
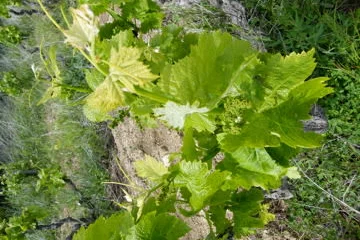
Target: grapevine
{"points": [[230, 101]]}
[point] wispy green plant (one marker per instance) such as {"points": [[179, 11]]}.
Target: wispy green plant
{"points": [[51, 156]]}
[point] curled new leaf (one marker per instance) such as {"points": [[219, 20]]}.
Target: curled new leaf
{"points": [[84, 29]]}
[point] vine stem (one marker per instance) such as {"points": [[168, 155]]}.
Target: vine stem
{"points": [[49, 16], [149, 95], [92, 62], [123, 184]]}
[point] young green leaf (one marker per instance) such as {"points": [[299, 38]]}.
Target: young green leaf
{"points": [[159, 227], [116, 227], [121, 39], [52, 68], [188, 148], [201, 182], [280, 75], [151, 169], [173, 42], [218, 217], [147, 13], [93, 78]]}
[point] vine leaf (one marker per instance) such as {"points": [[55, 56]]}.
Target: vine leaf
{"points": [[253, 167], [282, 74], [161, 226], [282, 154], [151, 226], [151, 169], [125, 71], [176, 116], [200, 182], [83, 31], [206, 74], [125, 68], [106, 97], [116, 227], [122, 39], [218, 217], [281, 123], [146, 12], [248, 211]]}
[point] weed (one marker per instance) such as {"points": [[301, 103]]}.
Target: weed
{"points": [[200, 16], [51, 158]]}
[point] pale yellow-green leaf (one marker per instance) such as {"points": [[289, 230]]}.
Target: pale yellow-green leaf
{"points": [[175, 114], [106, 97], [84, 29], [125, 67], [293, 173], [151, 169]]}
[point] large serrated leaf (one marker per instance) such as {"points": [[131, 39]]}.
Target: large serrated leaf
{"points": [[207, 74], [252, 167], [159, 227], [116, 227], [281, 123], [84, 29], [126, 68], [280, 75], [201, 182]]}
